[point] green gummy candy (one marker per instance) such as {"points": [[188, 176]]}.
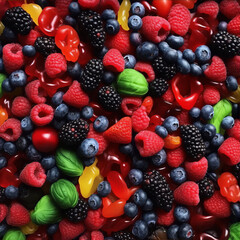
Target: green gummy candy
{"points": [[68, 162], [234, 231], [46, 211], [14, 234], [131, 82], [2, 78], [64, 194], [222, 109]]}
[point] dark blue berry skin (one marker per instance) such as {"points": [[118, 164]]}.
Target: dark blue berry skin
{"points": [[29, 51], [42, 3], [87, 112], [88, 161], [147, 51], [194, 113], [21, 144], [222, 26], [135, 22], [3, 228], [26, 124], [203, 54], [1, 144], [10, 148], [235, 110], [108, 14], [189, 55], [126, 149], [159, 158], [231, 83], [148, 206], [161, 131], [70, 21], [171, 124], [48, 162], [11, 192], [178, 175], [227, 122], [88, 148], [185, 231], [104, 188], [94, 202], [140, 197], [135, 38], [33, 154], [172, 232], [72, 116], [112, 26], [135, 176], [181, 214], [1, 65], [205, 66], [175, 41], [171, 55], [208, 131], [137, 9], [235, 209], [213, 162], [74, 8], [57, 99], [74, 70], [131, 209], [53, 175], [1, 50], [101, 124], [217, 140], [195, 70], [108, 77], [61, 111], [3, 162], [139, 162], [180, 55], [140, 229], [18, 78], [163, 47], [52, 229], [207, 112], [150, 218], [6, 86], [102, 53], [8, 35], [58, 123], [183, 66], [130, 61], [199, 125]]}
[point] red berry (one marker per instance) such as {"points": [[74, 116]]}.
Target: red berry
{"points": [[21, 107], [42, 114], [114, 61]]}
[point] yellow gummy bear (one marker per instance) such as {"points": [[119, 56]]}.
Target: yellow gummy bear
{"points": [[123, 14], [34, 10], [235, 96], [29, 228], [1, 28]]}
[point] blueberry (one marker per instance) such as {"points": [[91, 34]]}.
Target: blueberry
{"points": [[208, 131], [135, 38], [88, 161], [126, 149], [1, 50], [108, 14], [178, 175], [52, 229], [207, 112], [57, 99], [87, 112], [18, 78], [11, 192], [163, 47], [138, 9], [235, 110], [42, 3], [181, 214], [100, 124], [104, 188], [204, 66], [185, 231], [53, 175], [70, 21], [150, 218], [227, 122], [29, 51], [3, 228], [8, 35], [198, 125], [1, 144], [58, 123], [130, 61], [140, 229], [21, 143], [235, 209], [131, 209], [196, 70], [217, 140], [171, 124], [10, 148], [194, 113], [74, 8], [3, 162], [26, 124], [213, 162], [88, 148], [171, 55], [6, 86], [172, 232], [112, 26], [61, 111], [135, 176], [74, 69], [147, 51], [161, 131], [94, 201], [222, 26], [203, 54], [102, 53], [180, 55], [72, 116], [140, 197], [48, 162], [175, 41], [108, 77], [1, 65], [148, 206], [189, 55], [135, 22], [159, 158], [231, 83], [33, 154], [140, 163], [183, 66]]}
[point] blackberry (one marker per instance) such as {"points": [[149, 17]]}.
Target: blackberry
{"points": [[73, 132], [92, 74], [46, 45], [236, 171], [2, 195], [123, 236], [158, 87], [206, 188], [164, 69], [18, 20], [225, 44], [193, 141], [158, 190], [92, 25], [77, 213], [109, 98]]}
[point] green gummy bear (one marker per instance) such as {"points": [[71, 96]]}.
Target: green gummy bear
{"points": [[46, 211], [234, 231], [2, 78], [131, 82], [222, 109], [68, 162], [64, 194], [14, 234]]}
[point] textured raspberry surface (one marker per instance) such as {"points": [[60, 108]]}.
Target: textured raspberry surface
{"points": [[179, 18], [235, 131], [130, 104], [187, 194], [176, 157], [168, 96], [30, 38], [42, 114], [97, 235], [140, 119], [229, 8], [165, 218], [233, 26], [210, 8], [88, 4], [3, 212], [233, 66], [183, 117], [35, 92], [21, 107], [62, 7], [211, 95], [155, 29], [146, 69], [10, 130], [94, 219], [114, 61]]}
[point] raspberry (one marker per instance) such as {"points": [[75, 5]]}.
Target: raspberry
{"points": [[140, 119], [196, 170], [42, 114], [187, 194], [35, 92], [97, 235], [33, 175], [211, 95], [21, 107], [229, 8], [94, 220], [3, 212], [148, 143], [155, 28], [10, 130], [168, 96], [146, 69], [130, 104], [210, 8], [114, 61], [13, 58], [176, 157], [88, 4], [229, 151], [217, 206], [235, 130], [233, 26], [183, 117], [55, 65], [62, 7], [30, 38], [75, 96], [233, 66], [216, 71], [179, 18], [165, 218]]}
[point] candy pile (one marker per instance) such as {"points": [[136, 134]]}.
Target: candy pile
{"points": [[119, 120]]}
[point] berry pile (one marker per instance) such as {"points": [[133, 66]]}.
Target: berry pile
{"points": [[119, 120]]}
